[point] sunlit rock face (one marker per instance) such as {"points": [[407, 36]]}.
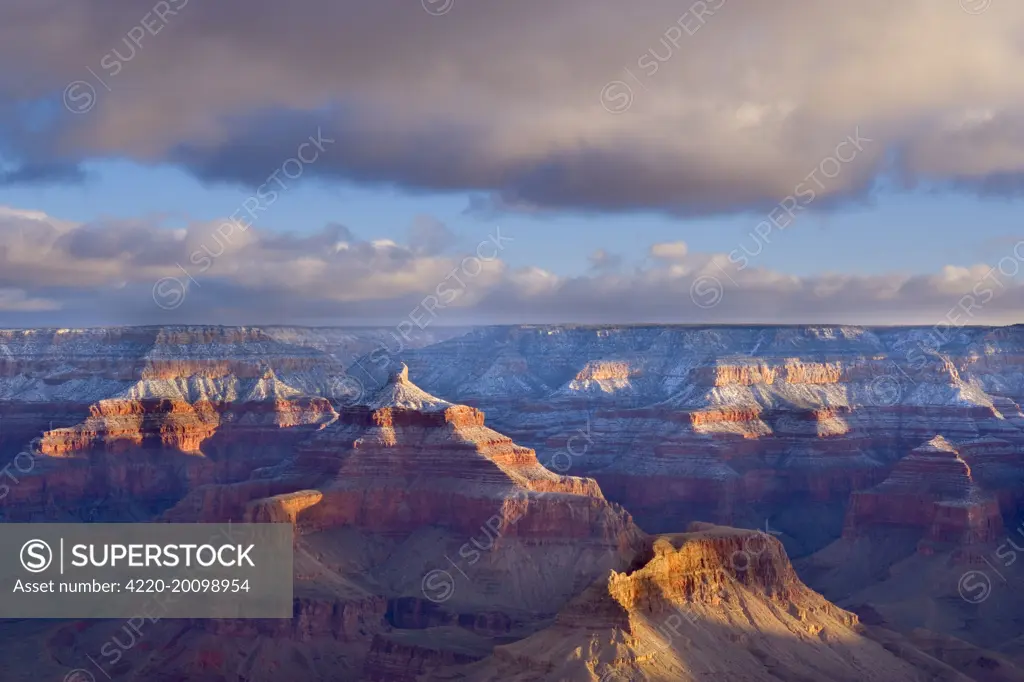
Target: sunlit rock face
{"points": [[692, 610]]}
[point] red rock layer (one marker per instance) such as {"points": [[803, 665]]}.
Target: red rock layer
{"points": [[412, 468], [213, 503], [932, 489], [393, 469], [116, 426], [419, 461], [135, 487], [998, 466], [716, 463], [158, 451], [792, 371], [676, 474]]}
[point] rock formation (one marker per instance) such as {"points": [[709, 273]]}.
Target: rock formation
{"points": [[423, 461], [456, 527], [426, 536], [735, 424], [157, 413], [712, 603], [933, 489]]}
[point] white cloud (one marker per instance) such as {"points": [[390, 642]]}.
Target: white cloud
{"points": [[669, 250], [105, 274]]}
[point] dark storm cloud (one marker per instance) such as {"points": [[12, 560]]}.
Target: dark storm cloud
{"points": [[42, 173], [589, 105]]}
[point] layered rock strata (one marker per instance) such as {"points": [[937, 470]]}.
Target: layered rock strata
{"points": [[415, 499], [932, 489], [695, 610], [736, 424], [174, 408]]}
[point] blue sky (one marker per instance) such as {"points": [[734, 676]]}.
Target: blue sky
{"points": [[912, 232]]}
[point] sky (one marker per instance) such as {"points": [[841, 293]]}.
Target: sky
{"points": [[334, 162]]}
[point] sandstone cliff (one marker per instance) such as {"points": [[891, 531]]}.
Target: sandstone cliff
{"points": [[713, 603]]}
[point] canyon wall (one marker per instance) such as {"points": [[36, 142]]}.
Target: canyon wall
{"points": [[738, 425]]}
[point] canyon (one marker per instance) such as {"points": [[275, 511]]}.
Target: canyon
{"points": [[575, 472]]}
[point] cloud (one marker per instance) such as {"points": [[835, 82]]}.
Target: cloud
{"points": [[16, 300], [669, 251], [42, 173], [523, 104], [59, 273], [429, 236]]}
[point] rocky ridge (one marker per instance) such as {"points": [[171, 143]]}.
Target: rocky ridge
{"points": [[691, 611], [423, 480]]}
